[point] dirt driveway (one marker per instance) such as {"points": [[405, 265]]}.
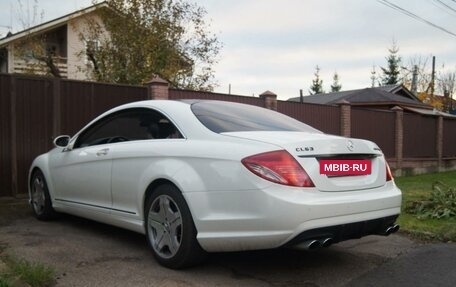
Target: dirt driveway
{"points": [[87, 253]]}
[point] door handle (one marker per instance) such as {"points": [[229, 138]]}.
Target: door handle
{"points": [[102, 152]]}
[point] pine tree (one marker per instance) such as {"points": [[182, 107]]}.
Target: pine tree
{"points": [[391, 72], [336, 86], [317, 83]]}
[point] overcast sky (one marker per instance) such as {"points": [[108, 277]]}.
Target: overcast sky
{"points": [[275, 45]]}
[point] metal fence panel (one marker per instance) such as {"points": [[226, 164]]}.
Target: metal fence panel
{"points": [[5, 135], [34, 123], [35, 109], [108, 96], [449, 138], [377, 126], [324, 118], [83, 101], [175, 94], [419, 136], [75, 105]]}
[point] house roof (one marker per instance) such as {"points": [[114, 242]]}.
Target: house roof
{"points": [[52, 24], [391, 95]]}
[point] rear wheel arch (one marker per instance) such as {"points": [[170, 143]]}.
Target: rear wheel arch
{"points": [[151, 188]]}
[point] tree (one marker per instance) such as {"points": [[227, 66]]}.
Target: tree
{"points": [[417, 66], [38, 59], [317, 83], [336, 86], [447, 86], [431, 100], [391, 72], [151, 37], [32, 49]]}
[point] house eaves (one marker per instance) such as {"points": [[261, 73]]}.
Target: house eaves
{"points": [[55, 23], [427, 112], [392, 103]]}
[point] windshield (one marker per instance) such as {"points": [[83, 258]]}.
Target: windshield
{"points": [[222, 117]]}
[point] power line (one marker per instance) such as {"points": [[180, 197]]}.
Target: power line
{"points": [[445, 5], [436, 4], [414, 16]]}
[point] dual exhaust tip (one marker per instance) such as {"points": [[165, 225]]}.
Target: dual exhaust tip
{"points": [[326, 242], [315, 243]]}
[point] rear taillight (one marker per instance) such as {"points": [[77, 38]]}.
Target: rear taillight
{"points": [[279, 167], [389, 175]]}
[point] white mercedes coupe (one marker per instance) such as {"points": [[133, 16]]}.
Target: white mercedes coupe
{"points": [[202, 176]]}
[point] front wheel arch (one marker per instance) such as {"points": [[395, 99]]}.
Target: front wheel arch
{"points": [[47, 212]]}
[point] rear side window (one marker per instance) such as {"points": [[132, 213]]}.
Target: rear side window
{"points": [[128, 125], [221, 117]]}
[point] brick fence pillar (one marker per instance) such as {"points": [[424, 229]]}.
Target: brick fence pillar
{"points": [[158, 89], [345, 118], [270, 100], [439, 142], [398, 139]]}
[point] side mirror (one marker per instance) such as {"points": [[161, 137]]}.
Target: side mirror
{"points": [[61, 141]]}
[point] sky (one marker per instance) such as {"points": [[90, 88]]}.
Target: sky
{"points": [[276, 45]]}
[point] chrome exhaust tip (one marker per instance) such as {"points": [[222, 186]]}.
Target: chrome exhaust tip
{"points": [[396, 228], [309, 245], [326, 242], [391, 229]]}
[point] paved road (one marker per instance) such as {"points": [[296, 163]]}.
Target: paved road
{"points": [[86, 253]]}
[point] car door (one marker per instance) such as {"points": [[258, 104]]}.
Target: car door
{"points": [[152, 136], [82, 177], [82, 173]]}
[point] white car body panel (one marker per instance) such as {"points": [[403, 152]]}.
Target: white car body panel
{"points": [[232, 208], [92, 185]]}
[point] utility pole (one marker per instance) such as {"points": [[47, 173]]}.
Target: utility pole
{"points": [[301, 96], [433, 76], [373, 76], [415, 80]]}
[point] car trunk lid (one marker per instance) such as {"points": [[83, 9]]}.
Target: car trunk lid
{"points": [[310, 149]]}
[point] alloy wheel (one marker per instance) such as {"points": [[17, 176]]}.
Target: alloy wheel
{"points": [[165, 226], [38, 195]]}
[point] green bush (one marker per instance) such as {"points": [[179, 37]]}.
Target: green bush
{"points": [[440, 204]]}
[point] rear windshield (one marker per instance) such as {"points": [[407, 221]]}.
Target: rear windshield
{"points": [[222, 117]]}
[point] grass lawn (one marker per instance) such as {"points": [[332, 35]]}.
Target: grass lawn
{"points": [[15, 272], [420, 187], [19, 272]]}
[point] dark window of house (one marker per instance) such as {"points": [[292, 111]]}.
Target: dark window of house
{"points": [[223, 117], [128, 125]]}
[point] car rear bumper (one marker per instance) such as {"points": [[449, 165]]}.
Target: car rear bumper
{"points": [[280, 215]]}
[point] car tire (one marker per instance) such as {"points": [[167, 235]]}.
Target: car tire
{"points": [[170, 229], [40, 199]]}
